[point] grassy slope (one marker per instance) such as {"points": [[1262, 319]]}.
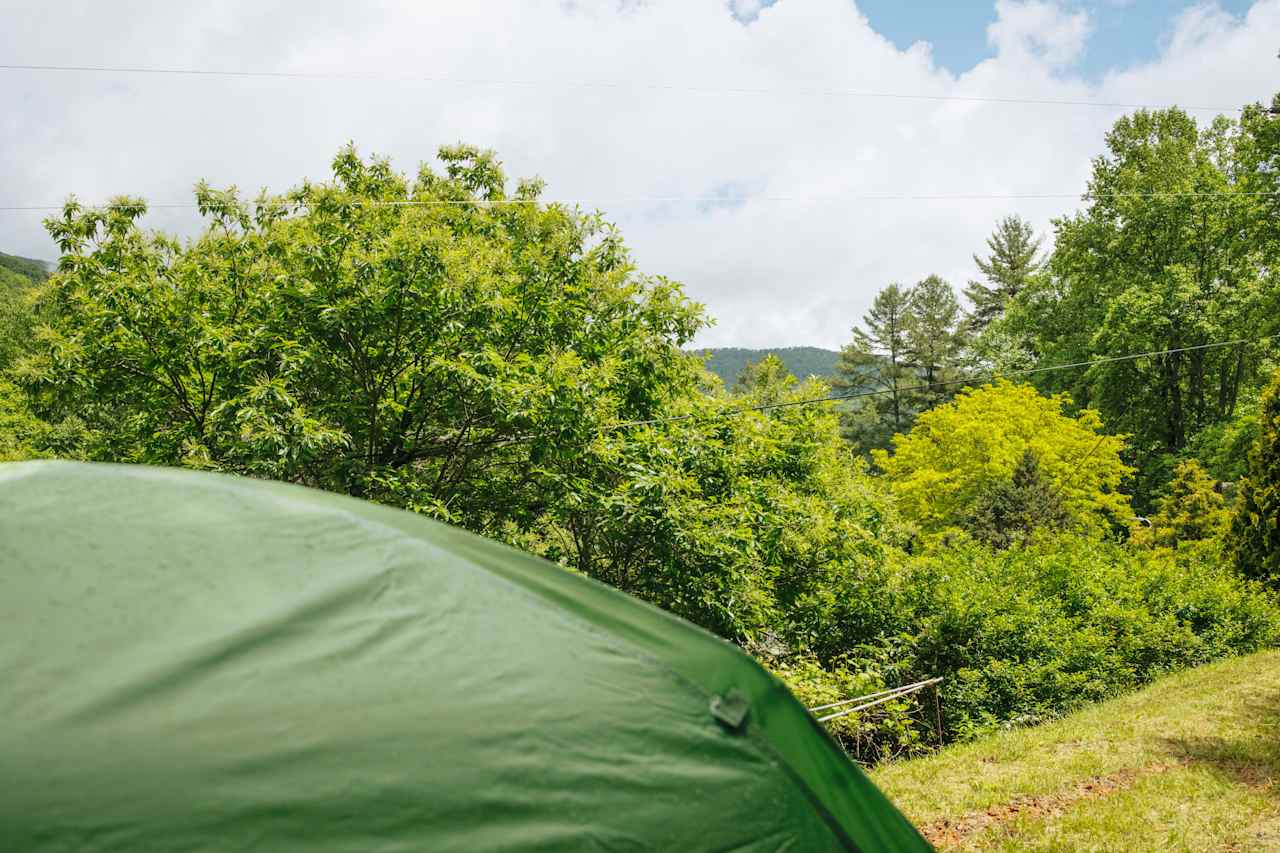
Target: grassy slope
{"points": [[1190, 763]]}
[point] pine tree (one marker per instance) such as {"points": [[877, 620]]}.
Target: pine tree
{"points": [[1192, 511], [876, 360], [1008, 269], [1007, 512], [1254, 538], [934, 341]]}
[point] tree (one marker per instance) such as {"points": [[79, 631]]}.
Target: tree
{"points": [[1163, 259], [1008, 512], [763, 523], [768, 375], [909, 353], [877, 360], [1192, 511], [959, 450], [1009, 269], [934, 340], [1254, 538], [436, 344]]}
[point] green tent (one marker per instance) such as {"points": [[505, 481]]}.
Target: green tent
{"points": [[194, 661]]}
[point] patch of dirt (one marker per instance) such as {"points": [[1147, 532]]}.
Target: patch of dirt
{"points": [[952, 832]]}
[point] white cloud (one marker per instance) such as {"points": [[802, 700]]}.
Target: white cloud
{"points": [[1038, 30], [796, 263]]}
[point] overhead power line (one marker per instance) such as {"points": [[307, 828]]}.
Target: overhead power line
{"points": [[385, 76], [723, 200]]}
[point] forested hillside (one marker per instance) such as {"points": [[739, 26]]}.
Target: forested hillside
{"points": [[16, 271], [1053, 487], [801, 362]]}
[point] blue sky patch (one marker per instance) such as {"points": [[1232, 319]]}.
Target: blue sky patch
{"points": [[1123, 32]]}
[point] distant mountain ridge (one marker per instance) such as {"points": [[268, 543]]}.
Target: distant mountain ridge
{"points": [[801, 362], [18, 271]]}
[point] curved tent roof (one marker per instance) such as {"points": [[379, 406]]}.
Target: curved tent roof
{"points": [[202, 662]]}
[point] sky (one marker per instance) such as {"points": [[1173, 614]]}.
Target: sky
{"points": [[644, 109]]}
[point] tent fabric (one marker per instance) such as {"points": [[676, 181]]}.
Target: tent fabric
{"points": [[194, 661]]}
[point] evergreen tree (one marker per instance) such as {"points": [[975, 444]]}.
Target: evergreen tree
{"points": [[1192, 511], [934, 340], [1254, 538], [1007, 512], [1008, 269], [877, 360]]}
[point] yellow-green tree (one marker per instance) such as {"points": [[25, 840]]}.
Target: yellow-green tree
{"points": [[958, 450], [1192, 511]]}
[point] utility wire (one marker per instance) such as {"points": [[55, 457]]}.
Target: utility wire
{"points": [[499, 202], [591, 84]]}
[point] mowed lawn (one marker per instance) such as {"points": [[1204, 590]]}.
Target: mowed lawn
{"points": [[1190, 763]]}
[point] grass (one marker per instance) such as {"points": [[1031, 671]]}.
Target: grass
{"points": [[1190, 763]]}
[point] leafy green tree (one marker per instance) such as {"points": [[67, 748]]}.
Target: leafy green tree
{"points": [[434, 343], [1254, 538], [760, 524], [1192, 511], [959, 450], [1008, 512], [878, 360], [1257, 152], [1009, 268], [1163, 258], [768, 375], [21, 433]]}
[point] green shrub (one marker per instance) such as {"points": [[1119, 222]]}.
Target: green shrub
{"points": [[894, 729], [1026, 634]]}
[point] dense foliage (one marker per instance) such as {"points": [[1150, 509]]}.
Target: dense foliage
{"points": [[1025, 634], [1192, 511], [1028, 633]]}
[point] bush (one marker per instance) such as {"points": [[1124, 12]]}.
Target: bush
{"points": [[1019, 636], [1027, 634], [894, 729]]}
